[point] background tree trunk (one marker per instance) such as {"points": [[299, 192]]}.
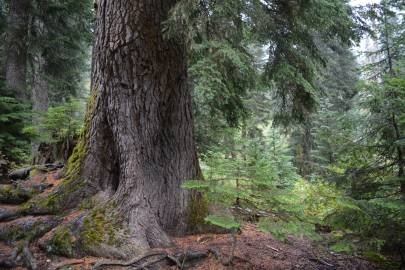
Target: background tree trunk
{"points": [[16, 60], [141, 140], [40, 104]]}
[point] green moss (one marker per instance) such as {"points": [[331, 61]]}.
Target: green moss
{"points": [[32, 232], [9, 194], [12, 234], [197, 211], [55, 201], [62, 242], [79, 153], [73, 182], [374, 256], [98, 228], [87, 203], [34, 172], [379, 259]]}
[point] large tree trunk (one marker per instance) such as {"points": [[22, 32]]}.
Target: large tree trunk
{"points": [[141, 139], [40, 104], [16, 60]]}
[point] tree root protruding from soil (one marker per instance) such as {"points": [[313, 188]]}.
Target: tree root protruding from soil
{"points": [[181, 260], [133, 262], [20, 256], [29, 259]]}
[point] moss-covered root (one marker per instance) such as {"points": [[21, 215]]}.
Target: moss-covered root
{"points": [[67, 196], [14, 195], [93, 232], [27, 228], [74, 188]]}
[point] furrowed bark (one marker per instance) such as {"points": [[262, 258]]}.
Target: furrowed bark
{"points": [[16, 59], [140, 146], [40, 99]]}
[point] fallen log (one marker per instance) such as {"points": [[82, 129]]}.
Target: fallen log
{"points": [[20, 174]]}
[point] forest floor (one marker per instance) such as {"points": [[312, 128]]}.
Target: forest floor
{"points": [[254, 249]]}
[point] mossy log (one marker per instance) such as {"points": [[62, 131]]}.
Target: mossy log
{"points": [[9, 213], [10, 194], [27, 228], [20, 174]]}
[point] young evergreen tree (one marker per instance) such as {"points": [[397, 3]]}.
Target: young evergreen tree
{"points": [[332, 123], [60, 37], [385, 93]]}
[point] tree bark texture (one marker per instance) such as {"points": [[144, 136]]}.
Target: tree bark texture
{"points": [[16, 59], [40, 102], [141, 139]]}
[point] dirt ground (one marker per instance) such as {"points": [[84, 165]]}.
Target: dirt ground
{"points": [[254, 249]]}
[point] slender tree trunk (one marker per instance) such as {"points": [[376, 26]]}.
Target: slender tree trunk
{"points": [[400, 156], [16, 59], [391, 72], [308, 144], [141, 140]]}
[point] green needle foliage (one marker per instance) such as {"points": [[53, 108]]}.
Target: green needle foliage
{"points": [[13, 117], [60, 126]]}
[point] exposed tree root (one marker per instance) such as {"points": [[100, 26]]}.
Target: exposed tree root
{"points": [[8, 213], [131, 262], [10, 262], [67, 263], [29, 259], [27, 228], [150, 258]]}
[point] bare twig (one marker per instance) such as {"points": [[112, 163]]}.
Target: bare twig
{"points": [[316, 259], [272, 248]]}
